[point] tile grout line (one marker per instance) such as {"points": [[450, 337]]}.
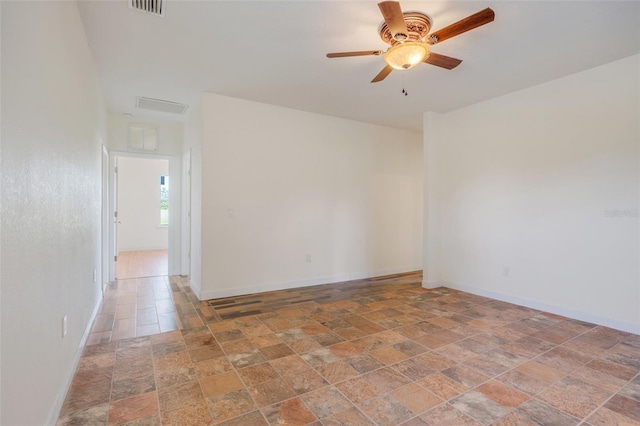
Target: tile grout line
{"points": [[610, 396], [235, 369]]}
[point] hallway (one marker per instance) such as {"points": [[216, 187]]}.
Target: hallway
{"points": [[143, 306], [142, 263]]}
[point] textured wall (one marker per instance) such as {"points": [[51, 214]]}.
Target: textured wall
{"points": [[53, 127]]}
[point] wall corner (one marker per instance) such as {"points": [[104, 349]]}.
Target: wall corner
{"points": [[432, 136]]}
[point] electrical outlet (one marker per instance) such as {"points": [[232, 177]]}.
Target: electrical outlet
{"points": [[308, 258], [505, 271], [64, 326]]}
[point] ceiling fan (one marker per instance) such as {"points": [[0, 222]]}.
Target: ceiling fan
{"points": [[408, 36]]}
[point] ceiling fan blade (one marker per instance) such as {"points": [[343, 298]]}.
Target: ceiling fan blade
{"points": [[392, 14], [358, 53], [382, 74], [442, 61], [462, 26]]}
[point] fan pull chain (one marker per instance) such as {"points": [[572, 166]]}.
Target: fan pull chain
{"points": [[404, 81]]}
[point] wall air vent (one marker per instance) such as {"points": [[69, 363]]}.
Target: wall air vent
{"points": [[160, 105], [155, 7]]}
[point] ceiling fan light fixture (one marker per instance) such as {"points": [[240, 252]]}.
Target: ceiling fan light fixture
{"points": [[403, 56]]}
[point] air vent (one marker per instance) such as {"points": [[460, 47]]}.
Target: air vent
{"points": [[155, 7], [160, 105]]}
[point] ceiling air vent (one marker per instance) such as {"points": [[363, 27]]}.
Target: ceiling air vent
{"points": [[160, 105], [152, 6]]}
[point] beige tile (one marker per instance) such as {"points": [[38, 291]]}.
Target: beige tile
{"points": [[359, 389], [179, 396], [574, 396], [134, 408], [229, 405], [290, 412], [477, 406], [171, 360], [254, 418], [447, 415], [541, 372], [192, 414], [337, 371], [443, 386], [124, 329], [103, 322], [256, 374], [386, 411], [415, 398], [325, 402], [212, 367], [220, 384], [605, 417], [388, 355], [350, 416], [271, 392], [624, 406], [147, 330], [502, 394], [125, 311]]}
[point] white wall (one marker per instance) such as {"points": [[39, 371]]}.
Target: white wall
{"points": [[347, 194], [139, 204], [53, 119], [525, 182], [170, 134]]}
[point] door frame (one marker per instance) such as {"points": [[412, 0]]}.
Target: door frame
{"points": [[105, 225], [185, 269], [174, 228], [113, 208]]}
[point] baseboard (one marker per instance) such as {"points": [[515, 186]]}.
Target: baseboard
{"points": [[433, 284], [230, 292], [195, 288], [627, 326], [55, 413]]}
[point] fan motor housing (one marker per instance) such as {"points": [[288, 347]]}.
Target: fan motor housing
{"points": [[418, 26]]}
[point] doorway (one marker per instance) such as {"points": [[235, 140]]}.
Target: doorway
{"points": [[142, 223]]}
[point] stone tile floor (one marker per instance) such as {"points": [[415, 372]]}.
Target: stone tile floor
{"points": [[390, 354]]}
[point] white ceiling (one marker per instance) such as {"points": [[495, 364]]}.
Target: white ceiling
{"points": [[274, 52]]}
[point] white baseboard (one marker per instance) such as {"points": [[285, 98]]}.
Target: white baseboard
{"points": [[433, 284], [195, 288], [627, 326], [55, 412], [230, 292]]}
